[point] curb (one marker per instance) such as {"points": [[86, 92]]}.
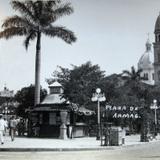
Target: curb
{"points": [[54, 149], [100, 148]]}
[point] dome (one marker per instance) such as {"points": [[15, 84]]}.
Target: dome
{"points": [[157, 25], [146, 60]]}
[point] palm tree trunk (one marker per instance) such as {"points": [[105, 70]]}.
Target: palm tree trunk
{"points": [[37, 70]]}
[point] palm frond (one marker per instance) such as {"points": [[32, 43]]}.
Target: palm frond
{"points": [[60, 32], [126, 72], [38, 8], [50, 4], [25, 8], [139, 71], [16, 21], [31, 36], [133, 71], [13, 31], [62, 10]]}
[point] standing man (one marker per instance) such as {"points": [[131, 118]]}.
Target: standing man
{"points": [[2, 128], [13, 124], [6, 126]]}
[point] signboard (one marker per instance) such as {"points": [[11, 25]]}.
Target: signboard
{"points": [[123, 111], [52, 118]]}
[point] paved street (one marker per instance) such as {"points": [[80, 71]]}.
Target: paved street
{"points": [[149, 151]]}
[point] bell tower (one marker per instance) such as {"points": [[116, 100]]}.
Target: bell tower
{"points": [[156, 46]]}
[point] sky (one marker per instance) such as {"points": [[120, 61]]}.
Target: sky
{"points": [[110, 33]]}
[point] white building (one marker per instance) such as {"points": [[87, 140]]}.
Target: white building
{"points": [[156, 46], [146, 64]]}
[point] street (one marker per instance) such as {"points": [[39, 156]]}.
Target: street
{"points": [[149, 151]]}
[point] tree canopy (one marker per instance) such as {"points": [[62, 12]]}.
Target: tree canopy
{"points": [[25, 98], [80, 82]]}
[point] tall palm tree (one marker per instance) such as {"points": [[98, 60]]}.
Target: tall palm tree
{"points": [[37, 17], [134, 80]]}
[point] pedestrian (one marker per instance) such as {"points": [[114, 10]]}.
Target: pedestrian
{"points": [[2, 128], [13, 124], [6, 126], [21, 127], [123, 135]]}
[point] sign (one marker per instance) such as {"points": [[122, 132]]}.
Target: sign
{"points": [[52, 118], [123, 111]]}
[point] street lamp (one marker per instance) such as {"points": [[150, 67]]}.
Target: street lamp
{"points": [[6, 112], [99, 97], [155, 107]]}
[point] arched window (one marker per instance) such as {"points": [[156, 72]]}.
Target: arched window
{"points": [[146, 76], [156, 38], [152, 76], [159, 38], [158, 56], [158, 73]]}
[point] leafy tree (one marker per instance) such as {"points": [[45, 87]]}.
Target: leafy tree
{"points": [[37, 18], [25, 98], [80, 82]]}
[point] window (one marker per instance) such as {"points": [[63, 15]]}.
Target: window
{"points": [[158, 55], [146, 76], [158, 73], [158, 38], [55, 90], [52, 118]]}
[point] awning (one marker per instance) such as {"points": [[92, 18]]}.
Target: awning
{"points": [[84, 111], [53, 108]]}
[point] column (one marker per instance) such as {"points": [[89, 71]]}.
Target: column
{"points": [[63, 127]]}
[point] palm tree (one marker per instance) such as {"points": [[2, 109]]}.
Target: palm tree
{"points": [[134, 80], [133, 75], [37, 17]]}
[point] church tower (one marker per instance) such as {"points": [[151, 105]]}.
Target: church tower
{"points": [[146, 64], [157, 52]]}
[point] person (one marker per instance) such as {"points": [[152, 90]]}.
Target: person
{"points": [[21, 127], [2, 129], [6, 125], [123, 135], [13, 124]]}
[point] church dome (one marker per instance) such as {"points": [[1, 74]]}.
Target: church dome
{"points": [[157, 25], [146, 60]]}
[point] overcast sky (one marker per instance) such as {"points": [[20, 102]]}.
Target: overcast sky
{"points": [[111, 33]]}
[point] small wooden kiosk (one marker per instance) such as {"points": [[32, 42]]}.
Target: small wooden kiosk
{"points": [[55, 117], [51, 117]]}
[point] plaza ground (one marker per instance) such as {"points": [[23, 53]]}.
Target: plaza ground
{"points": [[75, 144]]}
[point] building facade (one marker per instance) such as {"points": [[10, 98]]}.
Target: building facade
{"points": [[7, 103], [156, 46], [146, 64]]}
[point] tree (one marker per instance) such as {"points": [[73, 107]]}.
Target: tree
{"points": [[37, 18], [25, 98], [80, 82], [134, 80], [133, 75]]}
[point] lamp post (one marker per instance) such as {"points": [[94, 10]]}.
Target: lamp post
{"points": [[6, 112], [155, 107], [99, 97]]}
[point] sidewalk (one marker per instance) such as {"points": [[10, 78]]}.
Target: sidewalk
{"points": [[49, 144]]}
